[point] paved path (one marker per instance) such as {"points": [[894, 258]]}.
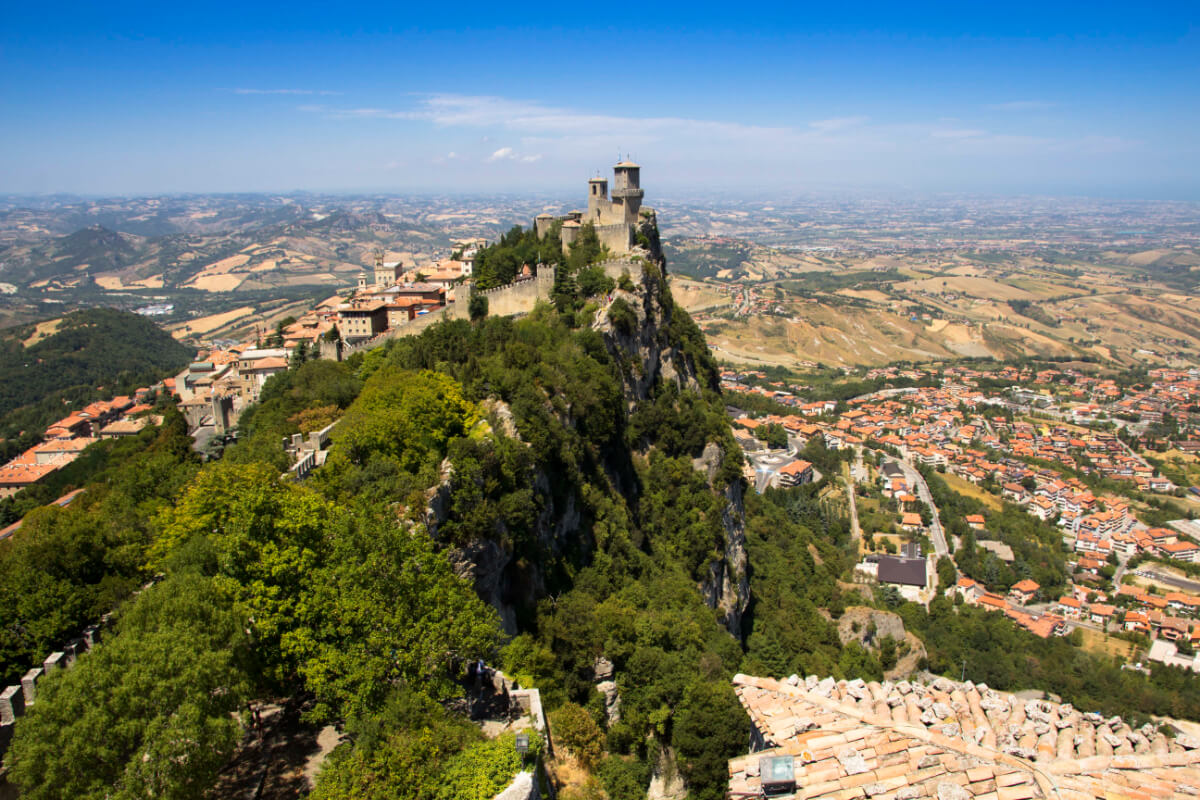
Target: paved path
{"points": [[855, 529], [1122, 565], [936, 534], [1170, 580]]}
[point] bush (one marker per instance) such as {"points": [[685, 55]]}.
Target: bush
{"points": [[623, 317], [477, 306], [624, 778], [592, 281], [484, 769], [574, 727]]}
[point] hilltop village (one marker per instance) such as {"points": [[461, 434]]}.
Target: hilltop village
{"points": [[66, 439], [397, 299]]}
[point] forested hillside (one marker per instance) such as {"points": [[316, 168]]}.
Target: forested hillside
{"points": [[64, 365], [548, 494]]}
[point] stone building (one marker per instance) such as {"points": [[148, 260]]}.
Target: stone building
{"points": [[387, 273], [614, 217], [362, 320]]}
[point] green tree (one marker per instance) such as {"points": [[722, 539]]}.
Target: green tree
{"points": [[404, 417], [888, 655], [710, 728], [586, 249], [269, 537], [146, 713], [575, 728], [387, 611], [773, 434], [477, 306], [947, 575]]}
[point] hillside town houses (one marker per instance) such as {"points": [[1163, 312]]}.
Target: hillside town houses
{"points": [[224, 379], [1030, 444], [64, 440]]}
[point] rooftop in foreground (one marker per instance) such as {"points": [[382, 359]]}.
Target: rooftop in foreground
{"points": [[951, 741]]}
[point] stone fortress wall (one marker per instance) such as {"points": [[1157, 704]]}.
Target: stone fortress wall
{"points": [[614, 218], [519, 297], [16, 699]]}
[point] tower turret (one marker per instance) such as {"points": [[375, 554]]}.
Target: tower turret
{"points": [[597, 198], [626, 189]]}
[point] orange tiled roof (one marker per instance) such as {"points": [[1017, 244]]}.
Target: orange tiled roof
{"points": [[952, 741]]}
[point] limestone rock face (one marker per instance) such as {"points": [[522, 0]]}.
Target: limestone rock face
{"points": [[648, 351], [612, 701], [498, 578], [665, 782]]}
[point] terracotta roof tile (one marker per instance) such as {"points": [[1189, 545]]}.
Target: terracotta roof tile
{"points": [[950, 740]]}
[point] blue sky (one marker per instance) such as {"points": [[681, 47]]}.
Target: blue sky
{"points": [[1050, 98]]}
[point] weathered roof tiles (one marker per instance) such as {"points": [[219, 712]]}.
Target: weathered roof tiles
{"points": [[949, 740]]}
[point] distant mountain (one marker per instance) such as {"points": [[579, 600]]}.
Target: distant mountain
{"points": [[348, 222], [95, 248], [42, 365]]}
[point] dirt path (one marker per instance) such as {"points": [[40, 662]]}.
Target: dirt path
{"points": [[284, 757]]}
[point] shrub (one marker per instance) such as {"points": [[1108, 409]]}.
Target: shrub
{"points": [[623, 317], [575, 728]]}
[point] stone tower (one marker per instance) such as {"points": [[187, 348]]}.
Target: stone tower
{"points": [[627, 193], [598, 203], [615, 218]]}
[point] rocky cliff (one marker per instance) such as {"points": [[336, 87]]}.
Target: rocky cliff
{"points": [[503, 579], [655, 344], [659, 347]]}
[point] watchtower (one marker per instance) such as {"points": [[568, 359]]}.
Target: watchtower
{"points": [[542, 223], [598, 202], [627, 193]]}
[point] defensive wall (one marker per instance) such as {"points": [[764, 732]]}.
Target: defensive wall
{"points": [[519, 297], [16, 699]]}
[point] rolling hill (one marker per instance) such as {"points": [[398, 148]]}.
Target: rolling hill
{"points": [[49, 368]]}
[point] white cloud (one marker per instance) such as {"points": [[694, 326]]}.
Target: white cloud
{"points": [[508, 154], [836, 123], [547, 121], [827, 148]]}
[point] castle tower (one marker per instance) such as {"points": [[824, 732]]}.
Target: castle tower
{"points": [[598, 202], [542, 223], [627, 193]]}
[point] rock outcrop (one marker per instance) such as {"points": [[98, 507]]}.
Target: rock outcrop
{"points": [[499, 578], [652, 347], [651, 351]]}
